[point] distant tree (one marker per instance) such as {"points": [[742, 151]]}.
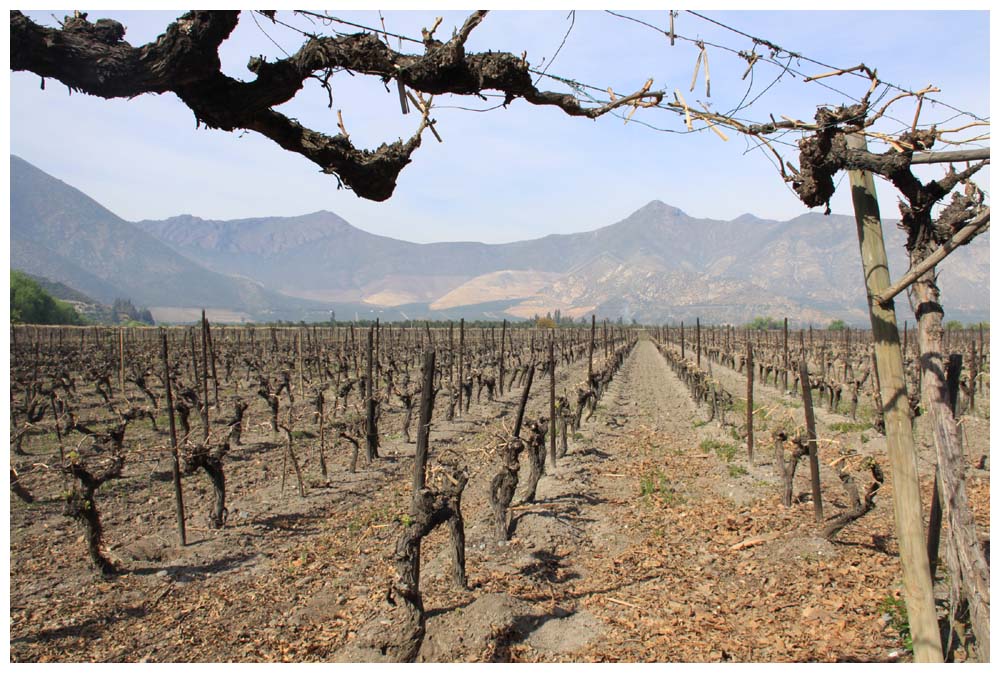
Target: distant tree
{"points": [[765, 322], [953, 324], [837, 325], [29, 303], [545, 323], [123, 311]]}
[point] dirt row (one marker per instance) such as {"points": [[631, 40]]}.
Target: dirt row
{"points": [[288, 578], [685, 555], [648, 542]]}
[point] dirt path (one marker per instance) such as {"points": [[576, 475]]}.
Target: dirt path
{"points": [[647, 571]]}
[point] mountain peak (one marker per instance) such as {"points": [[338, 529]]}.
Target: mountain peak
{"points": [[660, 208]]}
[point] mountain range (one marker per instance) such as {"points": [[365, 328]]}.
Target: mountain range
{"points": [[656, 265]]}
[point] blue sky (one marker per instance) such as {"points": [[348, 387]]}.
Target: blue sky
{"points": [[514, 173]]}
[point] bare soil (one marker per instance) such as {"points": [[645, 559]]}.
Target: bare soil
{"points": [[641, 546]]}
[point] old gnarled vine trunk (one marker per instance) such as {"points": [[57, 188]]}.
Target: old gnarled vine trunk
{"points": [[967, 562]]}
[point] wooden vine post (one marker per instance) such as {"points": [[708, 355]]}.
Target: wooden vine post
{"points": [[211, 357], [378, 354], [605, 338], [175, 464], [204, 372], [807, 405], [371, 431], [461, 359], [917, 585], [697, 341], [298, 348], [552, 398], [590, 350], [451, 355], [749, 371], [194, 359], [503, 340], [784, 374], [121, 361]]}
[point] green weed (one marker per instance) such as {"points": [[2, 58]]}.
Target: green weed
{"points": [[723, 450], [709, 445], [848, 426], [652, 482], [737, 471], [895, 607]]}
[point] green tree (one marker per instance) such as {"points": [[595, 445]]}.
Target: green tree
{"points": [[953, 324], [837, 325], [765, 322], [29, 303]]}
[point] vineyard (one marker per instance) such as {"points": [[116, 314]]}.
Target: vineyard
{"points": [[508, 493]]}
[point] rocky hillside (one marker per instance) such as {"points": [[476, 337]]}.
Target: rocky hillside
{"points": [[62, 234], [658, 264]]}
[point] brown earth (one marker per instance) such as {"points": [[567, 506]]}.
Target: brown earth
{"points": [[642, 546]]}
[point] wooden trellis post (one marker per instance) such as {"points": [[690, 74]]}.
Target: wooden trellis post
{"points": [[552, 398], [749, 371], [697, 341], [917, 585], [461, 359], [503, 341], [371, 431], [590, 351], [121, 361], [175, 470], [807, 406]]}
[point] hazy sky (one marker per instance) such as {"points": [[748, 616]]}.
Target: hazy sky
{"points": [[514, 173]]}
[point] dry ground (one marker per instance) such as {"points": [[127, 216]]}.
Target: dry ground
{"points": [[644, 545]]}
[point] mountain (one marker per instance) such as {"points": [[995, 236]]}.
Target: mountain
{"points": [[658, 264], [62, 291], [62, 234], [92, 310]]}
